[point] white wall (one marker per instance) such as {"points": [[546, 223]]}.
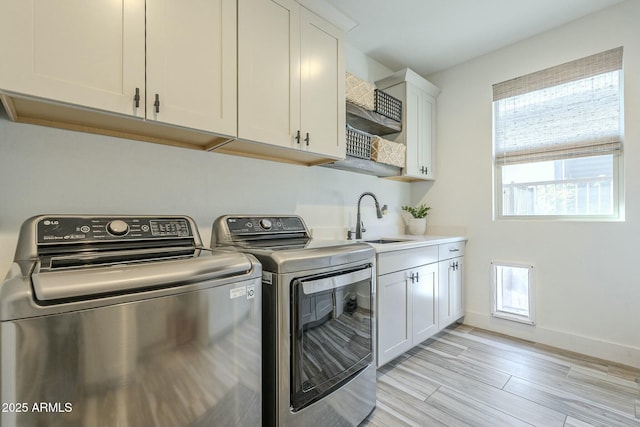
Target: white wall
{"points": [[588, 287], [359, 64], [46, 170]]}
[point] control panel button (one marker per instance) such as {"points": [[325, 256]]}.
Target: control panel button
{"points": [[118, 227], [266, 223]]}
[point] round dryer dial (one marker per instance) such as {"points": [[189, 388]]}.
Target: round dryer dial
{"points": [[118, 227]]}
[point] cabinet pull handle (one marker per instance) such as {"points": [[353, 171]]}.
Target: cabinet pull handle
{"points": [[307, 139], [417, 277], [136, 97], [157, 103], [454, 250], [298, 137], [423, 169]]}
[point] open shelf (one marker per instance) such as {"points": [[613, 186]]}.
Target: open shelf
{"points": [[370, 121], [375, 124], [367, 167]]}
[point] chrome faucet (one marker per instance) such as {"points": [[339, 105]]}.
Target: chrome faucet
{"points": [[359, 226]]}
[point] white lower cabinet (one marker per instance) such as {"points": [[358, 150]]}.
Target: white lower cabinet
{"points": [[450, 291], [424, 304], [407, 306], [450, 284], [420, 292]]}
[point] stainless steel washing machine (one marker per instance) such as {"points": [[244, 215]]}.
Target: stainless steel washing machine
{"points": [[318, 320], [128, 321]]}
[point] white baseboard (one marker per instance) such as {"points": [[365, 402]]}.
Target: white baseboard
{"points": [[614, 352]]}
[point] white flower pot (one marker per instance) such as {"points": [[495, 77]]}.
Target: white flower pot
{"points": [[417, 226]]}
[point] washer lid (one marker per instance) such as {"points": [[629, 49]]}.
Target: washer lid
{"points": [[51, 286]]}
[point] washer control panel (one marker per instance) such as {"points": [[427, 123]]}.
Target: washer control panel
{"points": [[79, 229], [243, 225]]}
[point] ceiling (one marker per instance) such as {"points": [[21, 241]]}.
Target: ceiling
{"points": [[432, 35]]}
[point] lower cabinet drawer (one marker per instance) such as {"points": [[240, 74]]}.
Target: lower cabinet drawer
{"points": [[388, 262], [451, 250]]}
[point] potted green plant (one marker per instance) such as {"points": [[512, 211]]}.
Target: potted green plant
{"points": [[416, 218]]}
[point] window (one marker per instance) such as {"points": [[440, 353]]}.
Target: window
{"points": [[512, 292], [558, 141]]}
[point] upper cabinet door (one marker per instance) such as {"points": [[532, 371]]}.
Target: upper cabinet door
{"points": [[413, 120], [419, 130], [191, 64], [269, 72], [290, 78], [88, 53], [418, 97], [322, 99]]}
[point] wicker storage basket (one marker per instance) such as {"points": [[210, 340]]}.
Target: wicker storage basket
{"points": [[388, 152], [388, 106], [360, 92], [358, 143]]}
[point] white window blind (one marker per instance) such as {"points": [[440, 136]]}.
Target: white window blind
{"points": [[567, 111]]}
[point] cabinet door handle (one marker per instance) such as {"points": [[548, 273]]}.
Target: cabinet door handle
{"points": [[454, 250], [298, 137], [423, 169], [136, 97], [157, 103], [307, 139], [417, 277]]}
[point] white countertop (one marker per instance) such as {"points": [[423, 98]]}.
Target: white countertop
{"points": [[409, 241]]}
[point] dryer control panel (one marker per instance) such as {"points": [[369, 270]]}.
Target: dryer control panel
{"points": [[239, 225]]}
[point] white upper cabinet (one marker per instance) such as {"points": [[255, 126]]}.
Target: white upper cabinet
{"points": [[291, 78], [92, 54], [418, 98], [322, 95], [269, 71], [419, 130], [258, 78], [87, 53], [191, 64]]}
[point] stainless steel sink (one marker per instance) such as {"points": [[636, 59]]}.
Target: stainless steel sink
{"points": [[381, 241]]}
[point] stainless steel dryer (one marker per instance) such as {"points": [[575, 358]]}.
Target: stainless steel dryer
{"points": [[128, 321], [318, 320]]}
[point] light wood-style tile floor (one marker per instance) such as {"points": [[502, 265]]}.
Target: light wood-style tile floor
{"points": [[470, 377]]}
